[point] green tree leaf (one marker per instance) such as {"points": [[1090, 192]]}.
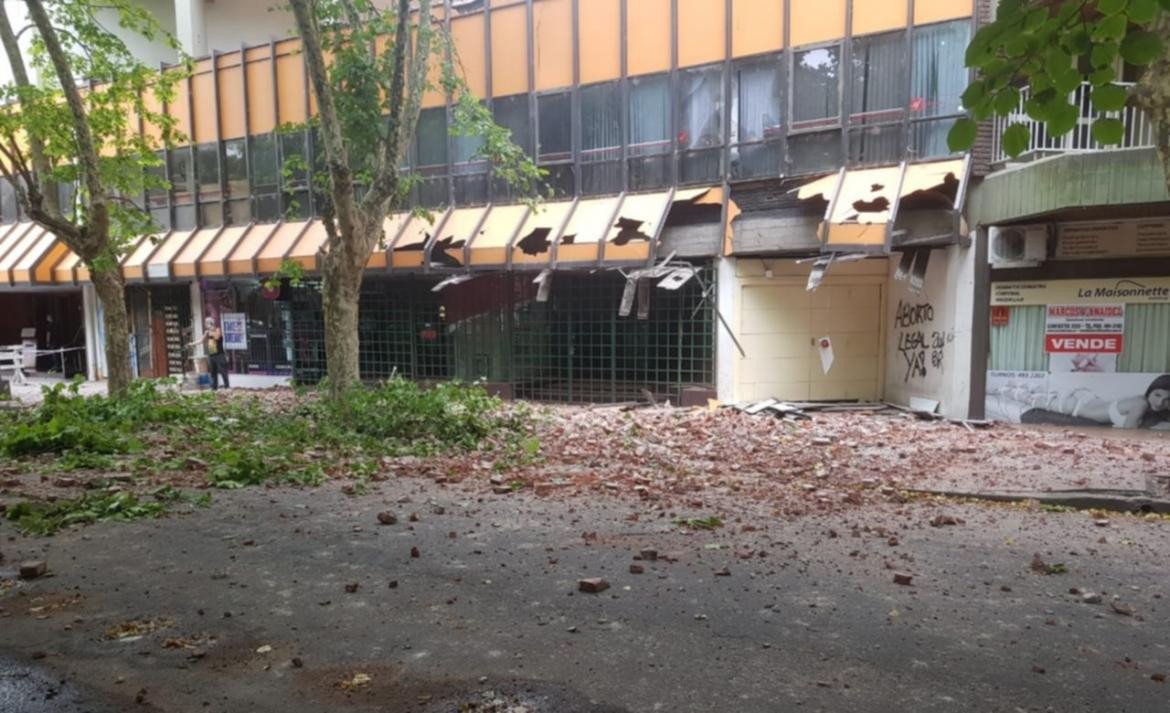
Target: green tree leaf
{"points": [[1062, 117], [1142, 11], [1111, 7], [1110, 97], [1141, 47], [1111, 28], [1007, 101], [1104, 54], [962, 135], [1015, 139], [1108, 131]]}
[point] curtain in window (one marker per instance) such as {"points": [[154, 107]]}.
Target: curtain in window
{"points": [[877, 85], [756, 112], [939, 77], [814, 88], [650, 115], [1019, 345], [600, 122], [1147, 339], [701, 108]]}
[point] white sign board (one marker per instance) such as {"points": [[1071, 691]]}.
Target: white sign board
{"points": [[235, 330]]}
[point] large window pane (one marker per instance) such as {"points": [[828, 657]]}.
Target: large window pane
{"points": [[700, 108], [512, 114], [601, 130], [235, 168], [263, 160], [938, 76], [431, 137], [876, 144], [207, 171], [756, 102], [182, 175], [650, 115], [8, 212], [815, 88], [556, 127], [877, 85], [814, 152], [294, 158]]}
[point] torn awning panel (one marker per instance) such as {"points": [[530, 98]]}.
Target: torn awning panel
{"points": [[864, 203], [459, 230], [407, 251], [540, 232], [633, 231], [580, 241], [490, 245]]}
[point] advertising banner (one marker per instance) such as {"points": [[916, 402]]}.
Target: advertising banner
{"points": [[235, 330], [1080, 399], [1131, 290]]}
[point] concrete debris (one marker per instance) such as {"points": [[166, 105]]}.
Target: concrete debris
{"points": [[387, 518], [903, 579], [33, 569], [592, 586]]}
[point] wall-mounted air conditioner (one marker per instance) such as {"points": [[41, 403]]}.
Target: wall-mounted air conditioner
{"points": [[1017, 245]]}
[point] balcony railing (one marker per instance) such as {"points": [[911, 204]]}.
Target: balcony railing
{"points": [[1137, 134]]}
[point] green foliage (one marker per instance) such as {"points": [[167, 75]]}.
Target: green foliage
{"points": [[117, 98], [244, 442], [1053, 48], [706, 523], [34, 518]]}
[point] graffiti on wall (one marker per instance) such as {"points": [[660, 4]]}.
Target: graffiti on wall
{"points": [[923, 348]]}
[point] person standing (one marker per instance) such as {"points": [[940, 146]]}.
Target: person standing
{"points": [[212, 340]]}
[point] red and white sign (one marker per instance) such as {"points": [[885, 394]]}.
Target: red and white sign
{"points": [[1083, 343], [1084, 329]]}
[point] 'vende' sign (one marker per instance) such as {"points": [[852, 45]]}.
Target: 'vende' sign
{"points": [[1083, 343], [1084, 329]]}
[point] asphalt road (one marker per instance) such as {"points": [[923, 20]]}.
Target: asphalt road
{"points": [[250, 610]]}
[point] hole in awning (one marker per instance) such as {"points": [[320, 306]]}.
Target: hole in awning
{"points": [[536, 242], [568, 239], [440, 255], [876, 187], [629, 230], [877, 205], [414, 246]]}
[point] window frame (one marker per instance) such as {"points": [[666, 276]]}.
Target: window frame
{"points": [[811, 126]]}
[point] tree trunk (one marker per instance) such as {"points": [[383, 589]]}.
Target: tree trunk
{"points": [[111, 291], [1153, 95], [341, 290]]}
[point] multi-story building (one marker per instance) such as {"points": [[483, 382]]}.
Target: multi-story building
{"points": [[1078, 302], [792, 151]]}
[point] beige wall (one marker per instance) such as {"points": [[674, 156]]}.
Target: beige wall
{"points": [[779, 322]]}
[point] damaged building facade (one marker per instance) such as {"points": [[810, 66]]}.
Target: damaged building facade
{"points": [[751, 199]]}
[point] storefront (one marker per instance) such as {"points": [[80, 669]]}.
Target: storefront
{"points": [[160, 329], [1084, 338], [257, 324]]}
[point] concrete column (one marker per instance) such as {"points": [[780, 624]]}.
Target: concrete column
{"points": [[191, 26], [95, 345], [726, 354]]}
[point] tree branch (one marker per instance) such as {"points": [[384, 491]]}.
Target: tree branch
{"points": [[384, 182], [87, 154], [40, 162], [336, 156]]}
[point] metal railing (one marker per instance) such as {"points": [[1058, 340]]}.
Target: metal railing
{"points": [[1138, 132]]}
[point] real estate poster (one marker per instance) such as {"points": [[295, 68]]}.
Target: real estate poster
{"points": [[1084, 338], [235, 330], [1120, 400]]}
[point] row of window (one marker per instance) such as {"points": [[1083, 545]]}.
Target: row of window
{"points": [[787, 114]]}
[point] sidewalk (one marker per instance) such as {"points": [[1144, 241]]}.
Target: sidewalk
{"points": [[30, 391]]}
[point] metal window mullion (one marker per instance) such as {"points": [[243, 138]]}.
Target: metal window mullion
{"points": [[277, 141], [574, 104], [624, 92], [787, 73], [219, 143], [141, 133], [247, 133], [308, 140], [489, 91], [908, 68], [725, 152], [193, 170], [532, 119], [675, 94], [163, 104], [844, 79]]}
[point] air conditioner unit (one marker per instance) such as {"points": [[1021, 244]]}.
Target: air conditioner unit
{"points": [[1017, 245]]}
